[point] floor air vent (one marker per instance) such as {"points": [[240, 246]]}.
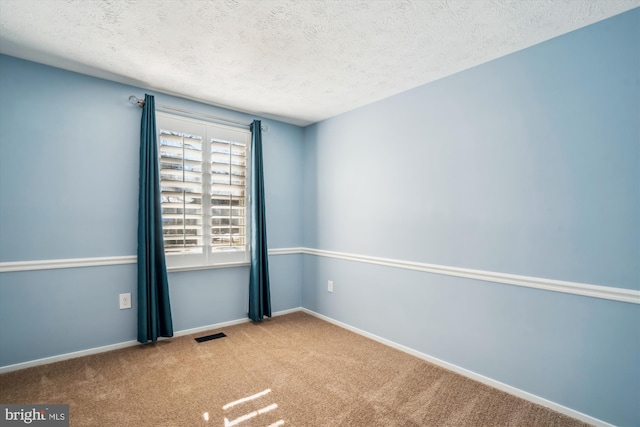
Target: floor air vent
{"points": [[211, 337]]}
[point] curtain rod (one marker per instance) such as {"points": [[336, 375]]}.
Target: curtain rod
{"points": [[135, 100]]}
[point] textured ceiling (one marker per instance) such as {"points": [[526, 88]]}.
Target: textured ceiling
{"points": [[296, 61]]}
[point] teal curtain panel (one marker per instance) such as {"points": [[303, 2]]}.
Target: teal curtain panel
{"points": [[154, 309], [259, 294]]}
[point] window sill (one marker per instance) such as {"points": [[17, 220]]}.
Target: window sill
{"points": [[207, 267]]}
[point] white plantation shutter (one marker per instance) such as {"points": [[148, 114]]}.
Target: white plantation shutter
{"points": [[181, 186], [228, 195], [203, 179]]}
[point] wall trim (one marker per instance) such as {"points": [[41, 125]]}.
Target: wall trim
{"points": [[51, 264], [595, 291], [467, 373], [117, 346], [286, 251]]}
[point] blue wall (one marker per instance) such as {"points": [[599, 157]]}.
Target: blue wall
{"points": [[69, 149], [529, 165]]}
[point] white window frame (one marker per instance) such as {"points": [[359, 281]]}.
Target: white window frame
{"points": [[208, 130]]}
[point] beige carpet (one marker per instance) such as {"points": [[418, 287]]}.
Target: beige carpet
{"points": [[293, 370]]}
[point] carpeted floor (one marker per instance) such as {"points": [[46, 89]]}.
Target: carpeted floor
{"points": [[293, 370]]}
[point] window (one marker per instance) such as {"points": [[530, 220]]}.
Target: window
{"points": [[203, 179]]}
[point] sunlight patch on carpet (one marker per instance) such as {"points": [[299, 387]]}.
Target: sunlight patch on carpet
{"points": [[252, 414], [246, 399]]}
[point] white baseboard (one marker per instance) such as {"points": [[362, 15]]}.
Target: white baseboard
{"points": [[117, 346], [66, 356], [469, 374]]}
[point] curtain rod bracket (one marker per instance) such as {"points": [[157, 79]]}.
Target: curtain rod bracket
{"points": [[134, 100]]}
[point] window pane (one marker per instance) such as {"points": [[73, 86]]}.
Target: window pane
{"points": [[203, 171]]}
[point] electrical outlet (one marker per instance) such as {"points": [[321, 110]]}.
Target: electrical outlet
{"points": [[125, 301], [330, 286]]}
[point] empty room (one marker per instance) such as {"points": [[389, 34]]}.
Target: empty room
{"points": [[320, 213]]}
